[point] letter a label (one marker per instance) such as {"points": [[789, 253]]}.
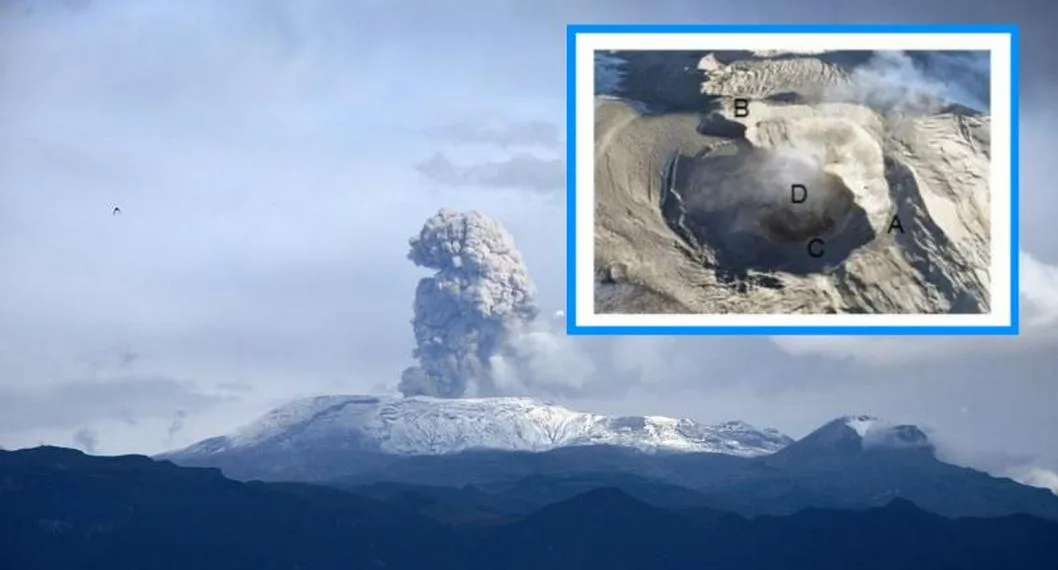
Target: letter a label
{"points": [[895, 224]]}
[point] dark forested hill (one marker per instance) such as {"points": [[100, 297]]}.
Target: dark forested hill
{"points": [[62, 509]]}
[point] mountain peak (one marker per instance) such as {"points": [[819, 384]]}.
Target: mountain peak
{"points": [[854, 434], [341, 427]]}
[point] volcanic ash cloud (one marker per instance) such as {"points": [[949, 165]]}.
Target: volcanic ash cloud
{"points": [[465, 314]]}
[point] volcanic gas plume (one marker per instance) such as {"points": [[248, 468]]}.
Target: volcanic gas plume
{"points": [[465, 314]]}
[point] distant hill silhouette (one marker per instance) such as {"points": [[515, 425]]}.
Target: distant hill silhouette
{"points": [[825, 471], [62, 509]]}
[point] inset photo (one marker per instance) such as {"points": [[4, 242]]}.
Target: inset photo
{"points": [[792, 180]]}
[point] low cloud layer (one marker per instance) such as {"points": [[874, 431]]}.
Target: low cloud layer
{"points": [[522, 171], [1039, 328], [1020, 467], [77, 402], [499, 133], [1037, 477]]}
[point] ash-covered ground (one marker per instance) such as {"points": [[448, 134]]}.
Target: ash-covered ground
{"points": [[836, 182]]}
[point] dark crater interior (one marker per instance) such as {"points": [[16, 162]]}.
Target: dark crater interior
{"points": [[737, 202]]}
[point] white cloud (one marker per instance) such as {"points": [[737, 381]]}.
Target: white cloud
{"points": [[1039, 293], [1037, 477], [1039, 327]]}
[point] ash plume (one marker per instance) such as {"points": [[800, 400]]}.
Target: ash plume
{"points": [[87, 439], [466, 313], [177, 424]]}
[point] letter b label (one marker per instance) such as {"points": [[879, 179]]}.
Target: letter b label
{"points": [[741, 108]]}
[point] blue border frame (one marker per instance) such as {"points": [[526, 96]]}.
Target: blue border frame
{"points": [[573, 30]]}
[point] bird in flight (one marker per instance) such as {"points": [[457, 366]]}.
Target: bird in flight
{"points": [[116, 211]]}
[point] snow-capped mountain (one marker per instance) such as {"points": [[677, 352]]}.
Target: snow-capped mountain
{"points": [[548, 450], [850, 436], [432, 426]]}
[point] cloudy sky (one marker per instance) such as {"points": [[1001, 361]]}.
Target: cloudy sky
{"points": [[271, 159]]}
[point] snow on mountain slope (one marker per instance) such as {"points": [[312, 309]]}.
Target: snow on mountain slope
{"points": [[875, 432], [432, 426], [861, 424]]}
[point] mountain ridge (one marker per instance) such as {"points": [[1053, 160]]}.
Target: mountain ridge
{"points": [[422, 425], [65, 509], [855, 461]]}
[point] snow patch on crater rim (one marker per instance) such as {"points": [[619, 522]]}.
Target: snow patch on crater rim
{"points": [[862, 425], [876, 432]]}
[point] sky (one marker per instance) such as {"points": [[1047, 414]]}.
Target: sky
{"points": [[271, 158]]}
